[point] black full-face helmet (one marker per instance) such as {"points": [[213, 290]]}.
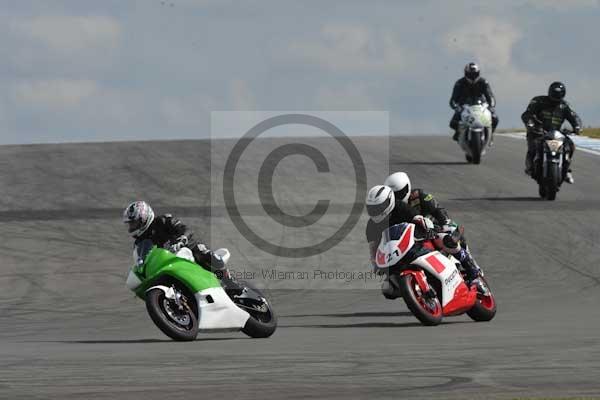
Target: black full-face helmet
{"points": [[557, 91], [472, 72]]}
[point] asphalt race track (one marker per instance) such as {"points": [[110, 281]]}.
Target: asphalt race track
{"points": [[70, 329]]}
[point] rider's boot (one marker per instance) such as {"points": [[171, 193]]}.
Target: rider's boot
{"points": [[470, 266], [229, 283], [455, 136], [388, 289], [528, 165], [569, 177]]}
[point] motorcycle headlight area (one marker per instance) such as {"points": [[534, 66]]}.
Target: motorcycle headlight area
{"points": [[554, 145]]}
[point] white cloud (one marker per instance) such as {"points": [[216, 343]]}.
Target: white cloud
{"points": [[351, 48], [487, 40], [53, 93], [187, 112], [350, 97], [70, 33]]}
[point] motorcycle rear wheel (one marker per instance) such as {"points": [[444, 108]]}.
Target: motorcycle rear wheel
{"points": [[428, 311], [263, 321], [485, 306]]}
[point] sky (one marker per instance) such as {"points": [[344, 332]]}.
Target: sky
{"points": [[86, 70]]}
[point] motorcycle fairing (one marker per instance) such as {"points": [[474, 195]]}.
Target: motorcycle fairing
{"points": [[455, 295], [475, 119], [392, 249], [216, 310]]}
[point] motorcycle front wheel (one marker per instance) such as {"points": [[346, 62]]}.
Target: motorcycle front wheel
{"points": [[179, 322], [476, 145], [553, 181], [427, 310]]}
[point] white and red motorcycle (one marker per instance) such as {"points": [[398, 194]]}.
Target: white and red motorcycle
{"points": [[430, 283]]}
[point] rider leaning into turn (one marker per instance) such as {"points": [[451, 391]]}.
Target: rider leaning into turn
{"points": [[170, 233], [549, 113], [468, 89], [394, 203]]}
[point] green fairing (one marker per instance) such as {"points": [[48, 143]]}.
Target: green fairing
{"points": [[160, 262]]}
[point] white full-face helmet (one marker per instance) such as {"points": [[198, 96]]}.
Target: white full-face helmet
{"points": [[138, 216], [400, 184], [380, 202]]}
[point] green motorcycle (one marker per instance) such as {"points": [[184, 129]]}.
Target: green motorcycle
{"points": [[182, 298]]}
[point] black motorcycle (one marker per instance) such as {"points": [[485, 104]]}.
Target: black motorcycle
{"points": [[550, 164]]}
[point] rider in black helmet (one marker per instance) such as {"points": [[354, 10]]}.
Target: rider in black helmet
{"points": [[549, 113], [468, 90]]}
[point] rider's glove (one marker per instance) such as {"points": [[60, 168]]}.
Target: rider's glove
{"points": [[425, 224], [202, 248], [449, 226], [458, 109], [180, 242], [577, 130]]}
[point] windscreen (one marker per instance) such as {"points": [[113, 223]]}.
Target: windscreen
{"points": [[474, 101], [394, 232], [141, 251]]}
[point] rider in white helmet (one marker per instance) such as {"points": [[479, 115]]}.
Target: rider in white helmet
{"points": [[385, 211], [423, 203], [170, 233]]}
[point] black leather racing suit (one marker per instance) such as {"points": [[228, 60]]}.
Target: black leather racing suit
{"points": [[465, 92], [167, 231], [547, 114]]}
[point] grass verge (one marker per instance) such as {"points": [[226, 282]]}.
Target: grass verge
{"points": [[592, 132]]}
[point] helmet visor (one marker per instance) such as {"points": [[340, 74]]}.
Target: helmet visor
{"points": [[401, 194], [556, 96], [133, 225], [472, 76], [377, 209]]}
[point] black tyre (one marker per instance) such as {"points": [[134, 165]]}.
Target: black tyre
{"points": [[428, 311], [178, 324], [476, 145], [542, 191], [263, 321], [553, 181], [468, 158], [485, 307]]}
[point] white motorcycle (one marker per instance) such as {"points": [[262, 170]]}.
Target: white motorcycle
{"points": [[475, 130]]}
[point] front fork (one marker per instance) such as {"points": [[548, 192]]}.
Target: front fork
{"points": [[421, 279]]}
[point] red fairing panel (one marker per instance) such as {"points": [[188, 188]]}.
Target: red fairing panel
{"points": [[464, 299], [405, 239], [437, 265], [380, 258], [428, 245]]}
